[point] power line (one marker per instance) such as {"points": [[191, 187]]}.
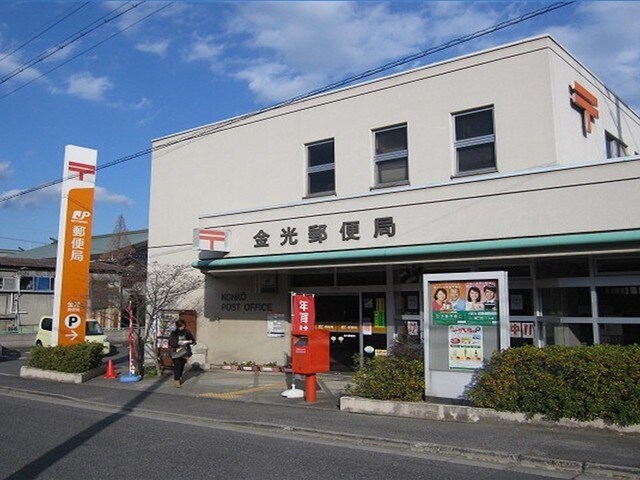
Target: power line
{"points": [[219, 126], [96, 45], [22, 240], [42, 32], [104, 20]]}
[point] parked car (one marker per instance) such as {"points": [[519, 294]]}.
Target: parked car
{"points": [[93, 333]]}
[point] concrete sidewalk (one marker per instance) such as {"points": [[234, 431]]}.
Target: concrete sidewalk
{"points": [[244, 386]]}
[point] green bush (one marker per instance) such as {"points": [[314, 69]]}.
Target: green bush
{"points": [[584, 383], [389, 378], [77, 358]]}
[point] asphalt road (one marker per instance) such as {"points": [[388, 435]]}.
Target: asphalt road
{"points": [[104, 429], [49, 438]]}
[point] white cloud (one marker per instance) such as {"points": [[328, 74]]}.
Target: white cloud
{"points": [[105, 196], [134, 19], [44, 197], [159, 47], [272, 81], [85, 85], [304, 45], [12, 64], [23, 201], [605, 37], [5, 169], [203, 49]]}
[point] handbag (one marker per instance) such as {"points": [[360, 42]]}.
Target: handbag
{"points": [[179, 352]]}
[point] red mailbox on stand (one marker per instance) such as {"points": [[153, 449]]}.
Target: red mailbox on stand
{"points": [[309, 347], [310, 352], [310, 355]]}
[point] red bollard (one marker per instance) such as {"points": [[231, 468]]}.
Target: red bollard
{"points": [[310, 388]]}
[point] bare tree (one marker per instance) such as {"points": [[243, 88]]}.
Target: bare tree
{"points": [[167, 288], [119, 249]]}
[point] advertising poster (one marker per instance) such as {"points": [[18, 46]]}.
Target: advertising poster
{"points": [[515, 329], [413, 328], [165, 325], [275, 325], [528, 329], [464, 303], [465, 347]]}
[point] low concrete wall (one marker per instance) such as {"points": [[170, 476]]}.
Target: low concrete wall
{"points": [[18, 340], [37, 373], [436, 411]]}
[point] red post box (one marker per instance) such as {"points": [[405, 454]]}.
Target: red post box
{"points": [[310, 352], [310, 355]]}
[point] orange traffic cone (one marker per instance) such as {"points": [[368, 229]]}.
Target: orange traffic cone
{"points": [[111, 371]]}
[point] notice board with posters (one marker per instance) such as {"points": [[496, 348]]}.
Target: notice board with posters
{"points": [[466, 320]]}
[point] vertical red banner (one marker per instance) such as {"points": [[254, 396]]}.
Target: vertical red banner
{"points": [[303, 313]]}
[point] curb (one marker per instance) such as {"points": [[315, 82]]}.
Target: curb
{"points": [[433, 411], [39, 374]]}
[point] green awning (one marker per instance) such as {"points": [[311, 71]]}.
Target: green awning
{"points": [[379, 255]]}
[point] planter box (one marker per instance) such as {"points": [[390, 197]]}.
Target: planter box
{"points": [[249, 368], [229, 367], [30, 372], [270, 369]]}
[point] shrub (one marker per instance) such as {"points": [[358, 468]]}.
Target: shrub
{"points": [[584, 383], [389, 378], [77, 358], [409, 349]]}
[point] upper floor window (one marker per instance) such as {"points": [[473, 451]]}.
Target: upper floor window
{"points": [[615, 146], [391, 155], [475, 141], [8, 284], [38, 284], [321, 168]]}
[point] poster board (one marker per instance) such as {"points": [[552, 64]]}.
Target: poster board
{"points": [[466, 320]]}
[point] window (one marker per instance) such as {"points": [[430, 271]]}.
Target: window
{"points": [[618, 266], [391, 156], [321, 168], [475, 141], [615, 147], [26, 283], [621, 301], [566, 302], [43, 284], [8, 284], [47, 324], [562, 268]]}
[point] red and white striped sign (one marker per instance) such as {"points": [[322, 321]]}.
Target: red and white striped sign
{"points": [[303, 313], [211, 240]]}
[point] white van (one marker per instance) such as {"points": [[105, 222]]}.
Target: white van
{"points": [[93, 333]]}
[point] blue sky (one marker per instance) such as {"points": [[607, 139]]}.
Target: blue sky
{"points": [[160, 68]]}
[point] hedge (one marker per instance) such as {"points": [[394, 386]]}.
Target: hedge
{"points": [[583, 383], [77, 358], [389, 378]]}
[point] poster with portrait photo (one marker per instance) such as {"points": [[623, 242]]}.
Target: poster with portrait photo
{"points": [[467, 303]]}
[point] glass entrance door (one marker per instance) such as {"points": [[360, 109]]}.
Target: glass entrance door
{"points": [[340, 314]]}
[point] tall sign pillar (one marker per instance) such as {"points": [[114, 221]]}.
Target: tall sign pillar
{"points": [[71, 293]]}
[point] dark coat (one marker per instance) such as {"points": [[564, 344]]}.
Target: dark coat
{"points": [[173, 341]]}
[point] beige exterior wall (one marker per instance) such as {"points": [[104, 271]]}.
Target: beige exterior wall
{"points": [[251, 175]]}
